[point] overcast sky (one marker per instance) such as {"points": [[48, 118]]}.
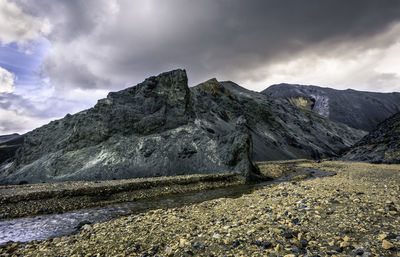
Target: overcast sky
{"points": [[60, 56]]}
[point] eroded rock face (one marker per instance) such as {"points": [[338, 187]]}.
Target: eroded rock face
{"points": [[381, 145], [161, 127], [279, 130], [148, 130], [358, 109]]}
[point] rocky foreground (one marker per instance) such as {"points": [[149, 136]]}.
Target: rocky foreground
{"points": [[353, 213]]}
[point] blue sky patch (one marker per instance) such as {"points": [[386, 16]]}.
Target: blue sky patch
{"points": [[24, 62]]}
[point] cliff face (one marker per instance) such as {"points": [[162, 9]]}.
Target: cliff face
{"points": [[381, 145], [161, 127], [362, 110]]}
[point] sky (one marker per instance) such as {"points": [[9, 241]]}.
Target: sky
{"points": [[61, 56]]}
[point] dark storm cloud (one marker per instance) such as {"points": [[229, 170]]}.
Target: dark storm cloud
{"points": [[96, 46], [70, 19], [100, 44]]}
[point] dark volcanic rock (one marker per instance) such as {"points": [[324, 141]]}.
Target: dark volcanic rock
{"points": [[362, 110], [381, 145], [148, 130], [279, 131], [162, 128], [9, 144]]}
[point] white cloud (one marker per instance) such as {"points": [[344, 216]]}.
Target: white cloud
{"points": [[19, 114], [11, 122], [6, 81], [17, 26]]}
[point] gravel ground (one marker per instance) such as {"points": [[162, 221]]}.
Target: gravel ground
{"points": [[34, 199], [353, 213]]}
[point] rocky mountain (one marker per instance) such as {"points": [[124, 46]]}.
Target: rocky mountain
{"points": [[163, 127], [279, 131], [9, 145], [148, 130], [358, 109], [381, 145]]}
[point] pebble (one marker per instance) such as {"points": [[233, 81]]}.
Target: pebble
{"points": [[387, 245], [391, 236], [359, 252], [217, 236], [236, 243], [278, 248], [381, 236], [198, 245], [168, 251], [182, 242]]}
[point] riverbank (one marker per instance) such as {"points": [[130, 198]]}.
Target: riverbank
{"points": [[33, 199], [355, 212]]}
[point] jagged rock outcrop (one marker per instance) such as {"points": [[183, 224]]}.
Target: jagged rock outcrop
{"points": [[161, 127], [381, 145], [358, 109], [143, 131]]}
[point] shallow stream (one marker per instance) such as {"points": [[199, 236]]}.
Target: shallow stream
{"points": [[57, 225]]}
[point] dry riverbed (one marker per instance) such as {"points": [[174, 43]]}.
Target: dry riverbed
{"points": [[353, 213]]}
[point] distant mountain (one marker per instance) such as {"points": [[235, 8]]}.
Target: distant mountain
{"points": [[358, 109], [381, 145], [5, 138], [163, 127], [9, 145]]}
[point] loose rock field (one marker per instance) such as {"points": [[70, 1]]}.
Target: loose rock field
{"points": [[355, 213]]}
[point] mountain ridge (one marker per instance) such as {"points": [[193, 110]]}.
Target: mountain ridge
{"points": [[358, 109]]}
